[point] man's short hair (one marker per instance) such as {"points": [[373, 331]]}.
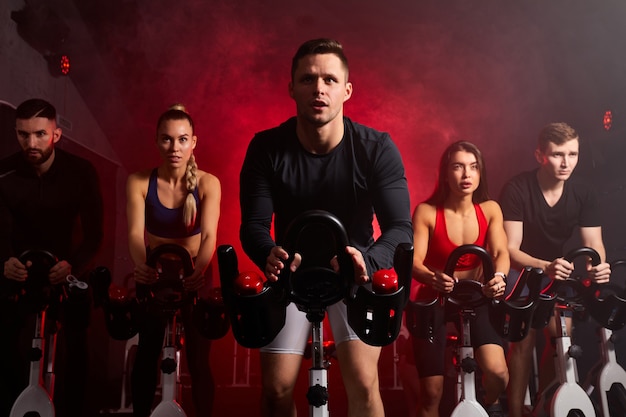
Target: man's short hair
{"points": [[36, 107], [317, 47], [557, 133]]}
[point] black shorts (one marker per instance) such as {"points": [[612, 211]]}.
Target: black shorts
{"points": [[430, 355]]}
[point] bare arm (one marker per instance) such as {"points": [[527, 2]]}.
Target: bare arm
{"points": [[497, 246], [519, 259], [423, 224], [210, 192], [556, 269], [136, 189]]}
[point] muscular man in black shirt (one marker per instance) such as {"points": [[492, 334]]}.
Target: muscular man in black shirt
{"points": [[322, 160]]}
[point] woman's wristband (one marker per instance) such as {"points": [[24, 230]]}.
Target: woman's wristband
{"points": [[502, 274]]}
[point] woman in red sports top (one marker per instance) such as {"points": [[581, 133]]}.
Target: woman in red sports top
{"points": [[459, 212]]}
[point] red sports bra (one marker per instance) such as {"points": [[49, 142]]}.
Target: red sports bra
{"points": [[440, 246]]}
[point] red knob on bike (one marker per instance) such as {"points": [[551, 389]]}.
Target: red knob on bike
{"points": [[248, 283], [118, 294], [385, 281]]}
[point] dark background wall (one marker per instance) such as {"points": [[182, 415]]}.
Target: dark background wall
{"points": [[429, 72]]}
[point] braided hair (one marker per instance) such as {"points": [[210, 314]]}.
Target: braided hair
{"points": [[191, 181]]}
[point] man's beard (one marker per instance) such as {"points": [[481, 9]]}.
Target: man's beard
{"points": [[41, 158]]}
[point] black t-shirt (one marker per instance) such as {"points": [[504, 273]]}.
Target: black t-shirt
{"points": [[547, 229], [60, 211]]}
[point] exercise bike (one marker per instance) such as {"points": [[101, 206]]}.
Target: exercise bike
{"points": [[510, 318], [119, 305], [37, 295], [257, 309], [606, 384], [569, 399], [165, 298]]}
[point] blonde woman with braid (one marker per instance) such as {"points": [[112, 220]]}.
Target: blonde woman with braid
{"points": [[173, 203]]}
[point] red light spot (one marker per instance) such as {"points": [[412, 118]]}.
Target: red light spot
{"points": [[65, 65], [608, 120]]}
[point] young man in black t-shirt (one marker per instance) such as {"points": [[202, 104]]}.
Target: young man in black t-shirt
{"points": [[542, 209]]}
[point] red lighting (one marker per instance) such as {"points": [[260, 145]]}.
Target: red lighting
{"points": [[65, 64], [58, 64], [608, 120]]}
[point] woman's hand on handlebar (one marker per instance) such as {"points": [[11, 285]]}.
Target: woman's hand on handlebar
{"points": [[59, 272], [599, 273], [495, 287], [15, 270], [144, 274], [194, 281], [442, 282]]}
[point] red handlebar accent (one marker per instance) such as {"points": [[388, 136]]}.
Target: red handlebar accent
{"points": [[118, 294], [385, 281], [248, 283]]}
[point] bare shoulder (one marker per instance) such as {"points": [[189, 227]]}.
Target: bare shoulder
{"points": [[208, 182], [140, 175], [491, 209], [138, 180], [425, 214]]}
